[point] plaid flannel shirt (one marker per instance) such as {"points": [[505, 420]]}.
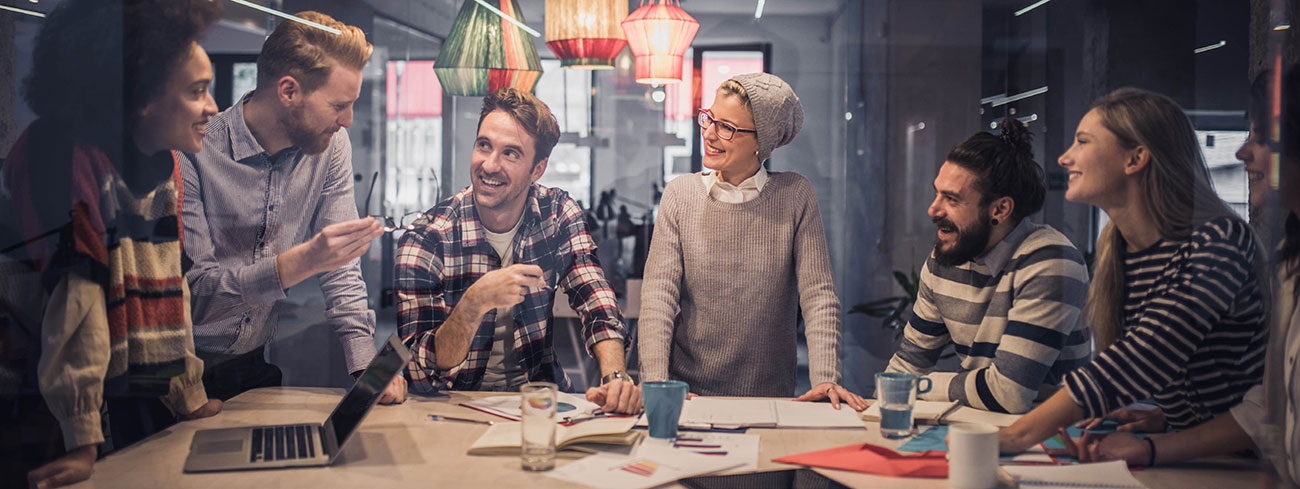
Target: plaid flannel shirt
{"points": [[448, 251]]}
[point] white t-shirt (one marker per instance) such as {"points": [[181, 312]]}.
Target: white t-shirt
{"points": [[503, 372]]}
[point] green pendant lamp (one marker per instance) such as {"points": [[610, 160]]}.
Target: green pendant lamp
{"points": [[487, 51]]}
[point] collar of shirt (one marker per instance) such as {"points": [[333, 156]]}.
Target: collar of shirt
{"points": [[242, 143], [998, 257], [726, 192], [473, 231]]}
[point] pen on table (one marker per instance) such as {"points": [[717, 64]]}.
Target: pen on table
{"points": [[943, 417], [694, 445], [439, 417]]}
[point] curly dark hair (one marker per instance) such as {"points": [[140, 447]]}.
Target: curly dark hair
{"points": [[1004, 166], [98, 62]]}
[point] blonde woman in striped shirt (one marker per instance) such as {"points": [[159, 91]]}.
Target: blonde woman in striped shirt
{"points": [[1175, 305]]}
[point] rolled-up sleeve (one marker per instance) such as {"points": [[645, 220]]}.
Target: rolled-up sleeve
{"points": [[584, 282], [421, 311]]}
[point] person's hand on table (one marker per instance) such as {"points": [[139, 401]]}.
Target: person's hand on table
{"points": [[395, 393], [835, 393], [1092, 447], [617, 396], [1133, 420], [72, 468], [210, 408]]}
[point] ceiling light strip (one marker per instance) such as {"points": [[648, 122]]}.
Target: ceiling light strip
{"points": [[1020, 96], [509, 18], [1026, 10], [1211, 47], [294, 18], [32, 13]]}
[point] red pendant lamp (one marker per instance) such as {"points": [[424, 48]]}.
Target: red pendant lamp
{"points": [[659, 34], [585, 34]]}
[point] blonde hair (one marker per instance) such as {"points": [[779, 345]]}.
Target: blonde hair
{"points": [[1176, 191], [733, 87], [308, 53]]}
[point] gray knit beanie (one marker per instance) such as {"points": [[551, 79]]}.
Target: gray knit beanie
{"points": [[778, 115]]}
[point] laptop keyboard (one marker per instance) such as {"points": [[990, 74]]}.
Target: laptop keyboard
{"points": [[288, 442]]}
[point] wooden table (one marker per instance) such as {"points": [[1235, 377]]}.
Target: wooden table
{"points": [[398, 446]]}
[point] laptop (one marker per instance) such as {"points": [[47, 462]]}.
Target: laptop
{"points": [[304, 444]]}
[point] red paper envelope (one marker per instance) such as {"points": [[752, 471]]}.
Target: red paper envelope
{"points": [[872, 459]]}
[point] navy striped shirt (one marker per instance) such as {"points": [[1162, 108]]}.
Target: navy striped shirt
{"points": [[1011, 314], [1194, 332]]}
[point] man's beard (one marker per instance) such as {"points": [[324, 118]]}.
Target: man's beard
{"points": [[307, 140], [970, 243]]}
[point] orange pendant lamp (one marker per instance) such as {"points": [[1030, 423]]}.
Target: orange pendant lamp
{"points": [[659, 34], [585, 34]]}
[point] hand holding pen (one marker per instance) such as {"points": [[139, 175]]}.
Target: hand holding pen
{"points": [[506, 287]]}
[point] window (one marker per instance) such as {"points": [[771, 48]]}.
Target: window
{"points": [[568, 93], [413, 150]]}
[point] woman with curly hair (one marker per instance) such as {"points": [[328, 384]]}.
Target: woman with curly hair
{"points": [[91, 200]]}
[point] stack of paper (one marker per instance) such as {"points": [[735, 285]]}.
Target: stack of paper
{"points": [[737, 448], [570, 407], [1104, 475], [610, 471]]}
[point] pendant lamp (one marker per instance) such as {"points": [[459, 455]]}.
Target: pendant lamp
{"points": [[585, 34], [659, 33], [485, 51]]}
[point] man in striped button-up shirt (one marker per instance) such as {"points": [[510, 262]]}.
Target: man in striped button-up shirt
{"points": [[275, 169], [477, 277], [1005, 292]]}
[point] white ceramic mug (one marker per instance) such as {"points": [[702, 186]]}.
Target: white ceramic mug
{"points": [[972, 456]]}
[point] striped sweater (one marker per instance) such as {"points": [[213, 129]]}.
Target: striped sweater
{"points": [[1194, 331], [1012, 315]]}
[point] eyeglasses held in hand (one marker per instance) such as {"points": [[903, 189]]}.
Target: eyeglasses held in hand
{"points": [[407, 223]]}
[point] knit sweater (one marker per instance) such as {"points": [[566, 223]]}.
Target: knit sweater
{"points": [[724, 286]]}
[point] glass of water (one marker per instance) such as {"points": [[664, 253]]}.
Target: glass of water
{"points": [[896, 393], [537, 401]]}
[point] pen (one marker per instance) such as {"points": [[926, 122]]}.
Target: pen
{"points": [[943, 417], [439, 417]]}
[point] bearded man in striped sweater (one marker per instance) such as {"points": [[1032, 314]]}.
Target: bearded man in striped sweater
{"points": [[1004, 291]]}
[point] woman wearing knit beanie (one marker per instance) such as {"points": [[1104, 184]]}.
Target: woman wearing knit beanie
{"points": [[737, 252]]}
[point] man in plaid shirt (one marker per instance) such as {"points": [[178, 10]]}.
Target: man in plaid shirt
{"points": [[477, 276]]}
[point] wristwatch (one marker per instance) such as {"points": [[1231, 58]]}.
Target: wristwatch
{"points": [[617, 375]]}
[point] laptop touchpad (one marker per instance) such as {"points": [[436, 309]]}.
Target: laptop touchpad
{"points": [[223, 446]]}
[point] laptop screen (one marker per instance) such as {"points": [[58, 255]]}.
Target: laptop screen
{"points": [[367, 389]]}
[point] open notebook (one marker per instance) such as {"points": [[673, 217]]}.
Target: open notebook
{"points": [[504, 438], [713, 413], [936, 412]]}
